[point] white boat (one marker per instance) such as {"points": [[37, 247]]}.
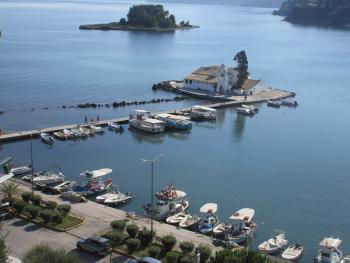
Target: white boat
{"points": [[209, 219], [293, 252], [102, 198], [251, 107], [68, 133], [114, 127], [47, 177], [221, 229], [170, 193], [202, 113], [274, 244], [21, 170], [329, 252], [289, 103], [85, 132], [141, 120], [119, 198], [272, 103], [60, 135], [162, 209], [46, 138], [345, 259], [175, 219], [175, 121], [96, 129], [245, 111], [95, 183], [189, 222]]}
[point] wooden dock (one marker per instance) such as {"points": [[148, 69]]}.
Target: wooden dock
{"points": [[233, 101]]}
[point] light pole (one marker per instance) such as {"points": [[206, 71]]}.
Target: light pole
{"points": [[152, 212]]}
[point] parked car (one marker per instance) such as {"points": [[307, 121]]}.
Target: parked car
{"points": [[144, 260], [96, 244]]}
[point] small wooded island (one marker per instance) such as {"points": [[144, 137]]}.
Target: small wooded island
{"points": [[144, 17]]}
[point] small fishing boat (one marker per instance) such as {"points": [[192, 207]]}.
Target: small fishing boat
{"points": [[289, 103], [189, 222], [175, 219], [46, 138], [68, 133], [170, 193], [95, 183], [21, 170], [202, 113], [209, 219], [329, 252], [119, 199], [274, 244], [293, 252], [102, 198], [175, 121], [245, 111], [60, 135], [345, 259], [96, 129], [47, 177], [251, 107], [274, 104], [162, 209], [114, 127], [141, 120]]}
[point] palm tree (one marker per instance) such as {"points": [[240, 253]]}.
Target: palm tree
{"points": [[9, 189]]}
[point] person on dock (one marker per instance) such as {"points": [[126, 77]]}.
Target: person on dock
{"points": [[98, 118], [245, 96], [86, 120]]}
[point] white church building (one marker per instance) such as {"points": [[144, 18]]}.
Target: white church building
{"points": [[214, 80]]}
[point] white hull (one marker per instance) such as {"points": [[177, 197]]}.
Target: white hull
{"points": [[273, 245], [189, 221], [48, 179], [175, 219], [293, 252], [140, 125], [21, 170]]}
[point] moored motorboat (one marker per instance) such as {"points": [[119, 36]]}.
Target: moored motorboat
{"points": [[345, 259], [175, 121], [47, 177], [68, 133], [189, 222], [274, 244], [293, 252], [251, 107], [175, 219], [119, 198], [21, 170], [96, 129], [95, 183], [170, 193], [46, 138], [209, 219], [202, 113], [329, 252], [163, 209], [289, 103], [141, 120], [102, 198], [245, 111], [60, 135], [221, 229], [274, 104], [114, 126]]}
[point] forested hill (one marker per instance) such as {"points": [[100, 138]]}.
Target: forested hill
{"points": [[333, 13], [252, 3]]}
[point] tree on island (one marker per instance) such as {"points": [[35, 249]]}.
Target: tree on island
{"points": [[149, 16], [242, 67]]}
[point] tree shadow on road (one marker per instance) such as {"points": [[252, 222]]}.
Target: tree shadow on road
{"points": [[90, 258], [32, 228], [20, 222]]}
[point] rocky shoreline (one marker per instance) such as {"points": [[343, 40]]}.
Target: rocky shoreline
{"points": [[116, 26]]}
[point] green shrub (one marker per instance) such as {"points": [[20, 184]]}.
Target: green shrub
{"points": [[172, 256], [118, 225], [19, 205], [239, 255], [145, 236], [187, 259], [27, 196], [33, 211], [168, 242], [64, 209], [205, 252], [133, 244], [186, 247], [57, 217], [36, 199], [132, 230], [154, 251], [116, 237], [51, 205], [46, 215]]}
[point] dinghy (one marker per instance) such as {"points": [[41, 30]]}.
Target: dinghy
{"points": [[189, 222], [293, 252], [209, 219], [329, 252], [274, 244], [289, 103], [46, 138], [175, 219], [274, 104]]}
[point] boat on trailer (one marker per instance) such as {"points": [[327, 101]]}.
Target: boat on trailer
{"points": [[46, 138], [209, 218], [175, 121], [329, 252], [293, 252], [141, 120], [274, 244], [95, 183], [202, 113]]}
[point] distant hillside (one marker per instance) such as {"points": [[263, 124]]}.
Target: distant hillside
{"points": [[333, 13], [252, 3]]}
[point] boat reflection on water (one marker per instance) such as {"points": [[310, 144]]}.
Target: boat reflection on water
{"points": [[238, 128], [141, 137]]}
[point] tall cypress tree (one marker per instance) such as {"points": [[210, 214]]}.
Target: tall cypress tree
{"points": [[242, 67]]}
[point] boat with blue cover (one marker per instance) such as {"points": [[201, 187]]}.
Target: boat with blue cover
{"points": [[175, 121]]}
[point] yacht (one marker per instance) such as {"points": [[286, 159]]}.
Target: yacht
{"points": [[209, 218], [329, 252], [175, 121], [274, 244], [141, 120], [202, 113]]}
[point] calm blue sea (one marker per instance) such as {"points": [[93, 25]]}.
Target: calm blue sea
{"points": [[291, 165]]}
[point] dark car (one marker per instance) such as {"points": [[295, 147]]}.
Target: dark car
{"points": [[98, 245], [145, 260]]}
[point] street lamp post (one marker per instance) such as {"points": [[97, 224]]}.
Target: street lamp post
{"points": [[152, 207]]}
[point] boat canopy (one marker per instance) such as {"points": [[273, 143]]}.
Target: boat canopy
{"points": [[203, 108], [209, 208], [330, 242], [153, 121], [97, 173], [4, 177], [244, 214]]}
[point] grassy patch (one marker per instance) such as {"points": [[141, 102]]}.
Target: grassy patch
{"points": [[69, 222]]}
